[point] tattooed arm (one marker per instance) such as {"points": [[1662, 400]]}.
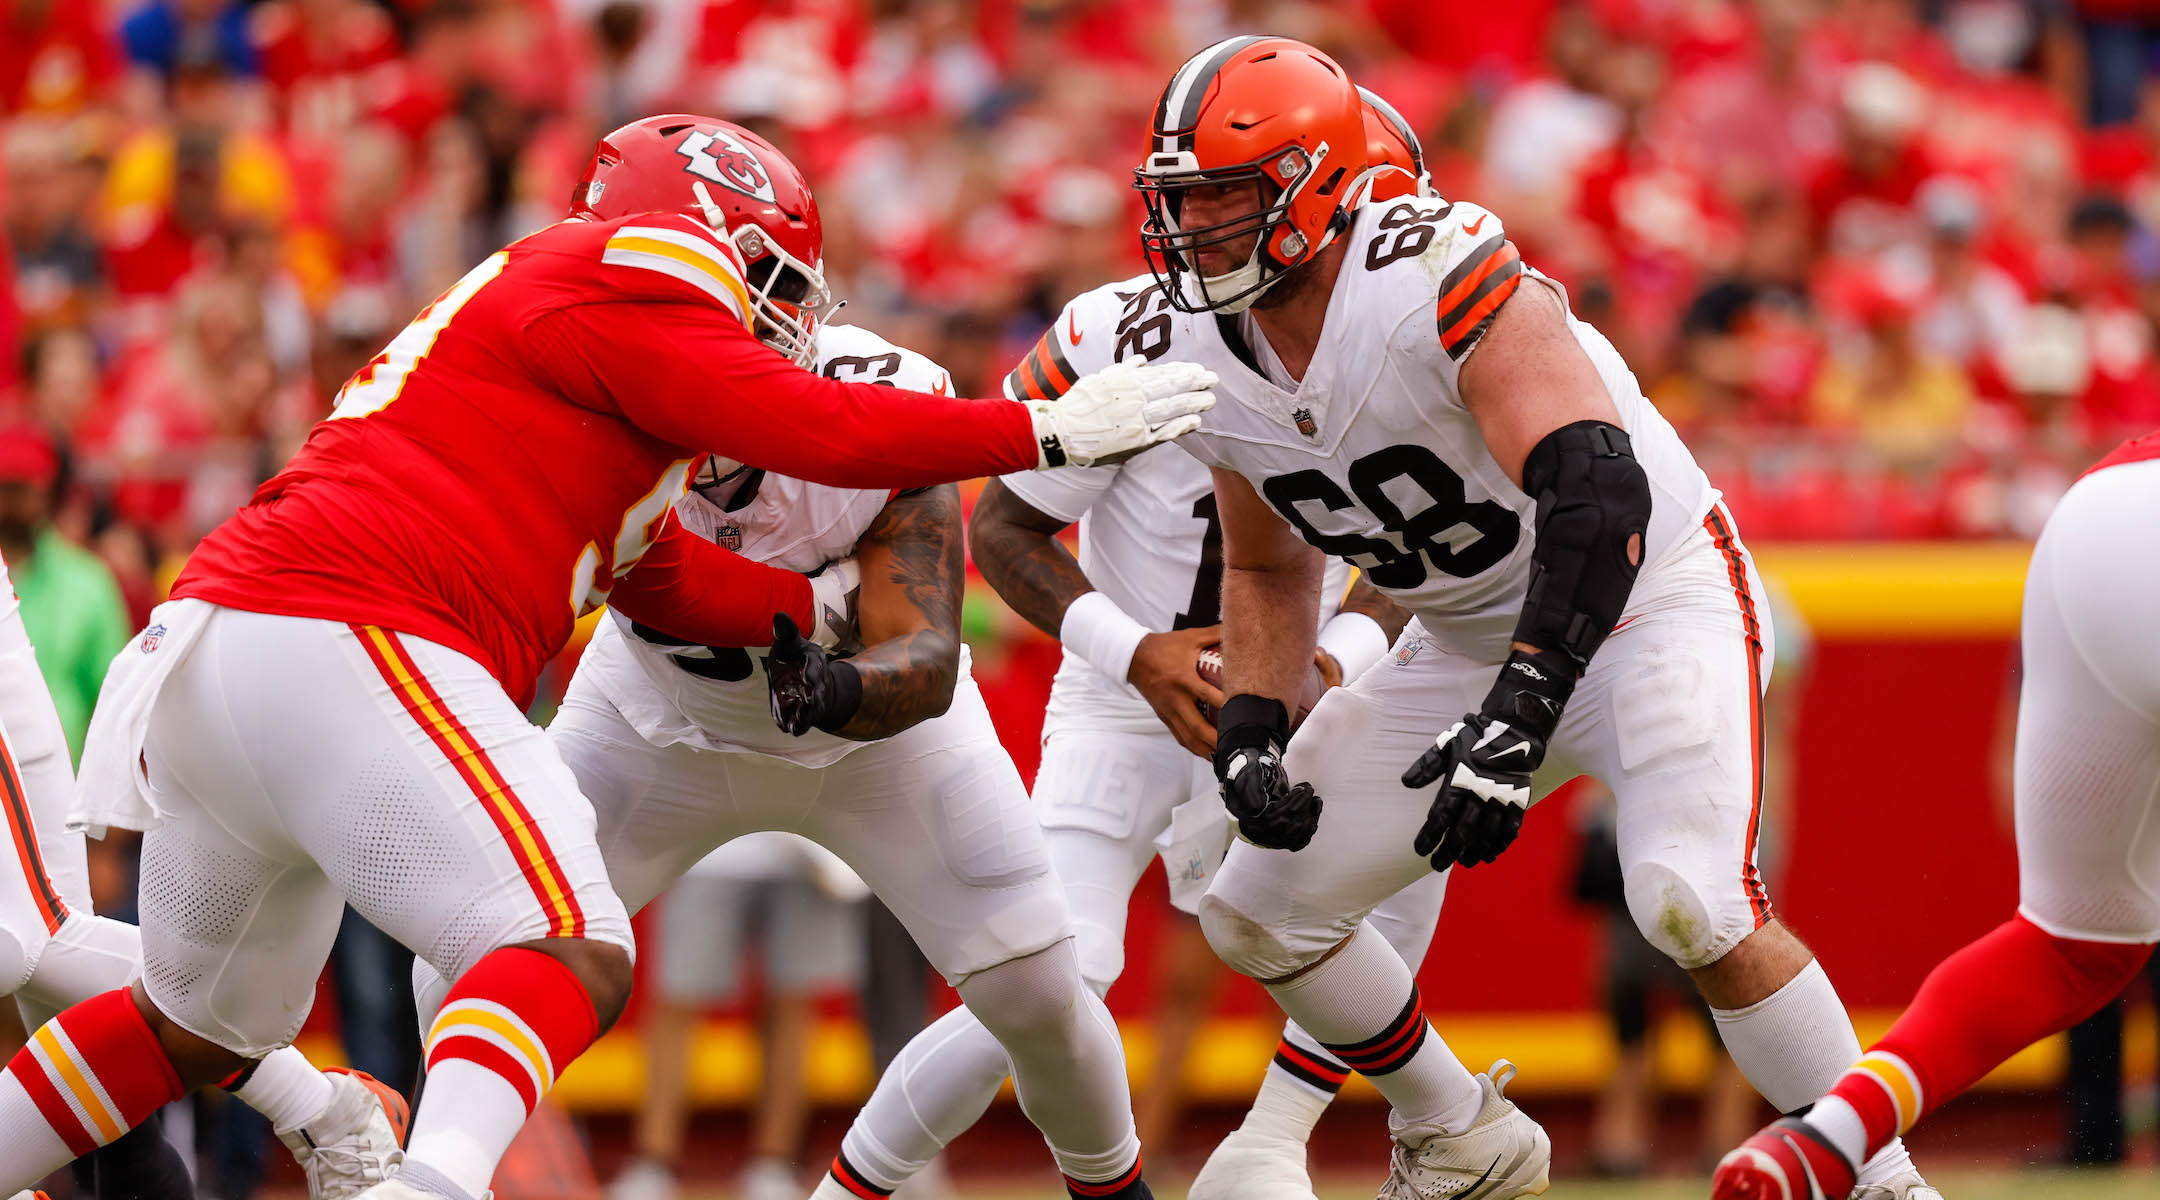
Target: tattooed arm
{"points": [[910, 613], [1018, 551]]}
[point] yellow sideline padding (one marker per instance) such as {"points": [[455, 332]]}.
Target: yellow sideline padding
{"points": [[1901, 589], [1558, 1053]]}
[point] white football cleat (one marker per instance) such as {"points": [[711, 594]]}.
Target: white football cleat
{"points": [[1906, 1185], [355, 1144], [1502, 1155], [1250, 1165]]}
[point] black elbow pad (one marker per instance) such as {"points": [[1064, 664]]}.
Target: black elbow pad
{"points": [[1593, 512]]}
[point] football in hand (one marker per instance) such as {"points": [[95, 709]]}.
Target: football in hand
{"points": [[1209, 663]]}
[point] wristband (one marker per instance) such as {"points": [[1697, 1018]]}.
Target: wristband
{"points": [[1101, 633], [1531, 691], [1355, 641]]}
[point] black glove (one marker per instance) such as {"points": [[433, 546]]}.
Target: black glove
{"points": [[809, 688], [1483, 763], [1270, 810]]}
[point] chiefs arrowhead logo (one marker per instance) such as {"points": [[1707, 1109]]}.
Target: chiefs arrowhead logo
{"points": [[723, 160]]}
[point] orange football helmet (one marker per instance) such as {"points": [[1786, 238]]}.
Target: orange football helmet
{"points": [[1395, 159], [757, 200], [1268, 110]]}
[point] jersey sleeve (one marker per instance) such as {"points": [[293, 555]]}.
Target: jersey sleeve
{"points": [[1478, 268], [1077, 343], [699, 380], [689, 588], [674, 257]]}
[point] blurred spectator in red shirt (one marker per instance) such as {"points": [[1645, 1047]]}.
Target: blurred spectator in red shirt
{"points": [[1862, 200], [55, 56], [1972, 307], [61, 378], [1748, 347], [1766, 118], [327, 62], [349, 238], [1545, 127], [2097, 279]]}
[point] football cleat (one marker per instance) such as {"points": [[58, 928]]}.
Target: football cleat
{"points": [[1786, 1161], [1503, 1154], [1249, 1165], [1906, 1185], [355, 1144]]}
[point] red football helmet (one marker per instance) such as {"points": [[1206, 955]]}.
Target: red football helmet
{"points": [[1395, 158], [1264, 110], [755, 198]]}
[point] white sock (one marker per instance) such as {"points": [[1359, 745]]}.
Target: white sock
{"points": [[31, 1150], [1296, 1088], [489, 1111], [1068, 1061], [1358, 997], [941, 1084], [1793, 1044], [286, 1088], [1840, 1126]]}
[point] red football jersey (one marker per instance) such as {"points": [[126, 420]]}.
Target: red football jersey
{"points": [[2137, 449], [516, 450]]}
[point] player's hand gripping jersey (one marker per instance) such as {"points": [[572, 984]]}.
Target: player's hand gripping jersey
{"points": [[714, 697], [1372, 456], [510, 461]]}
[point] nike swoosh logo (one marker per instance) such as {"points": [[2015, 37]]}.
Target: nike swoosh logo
{"points": [[938, 388], [1471, 227], [1469, 1192], [1624, 624], [1072, 327], [1522, 747]]}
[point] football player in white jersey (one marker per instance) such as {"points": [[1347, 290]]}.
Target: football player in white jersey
{"points": [[887, 757], [1124, 776], [1398, 390]]}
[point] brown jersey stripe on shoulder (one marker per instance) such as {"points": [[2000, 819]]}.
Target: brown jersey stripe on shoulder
{"points": [[1060, 367], [1476, 296]]}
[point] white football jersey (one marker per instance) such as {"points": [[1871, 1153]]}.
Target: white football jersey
{"points": [[1149, 536], [1373, 457], [715, 697]]}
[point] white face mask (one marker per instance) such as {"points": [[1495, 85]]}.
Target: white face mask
{"points": [[789, 327]]}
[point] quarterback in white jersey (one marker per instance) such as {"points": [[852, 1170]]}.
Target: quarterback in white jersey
{"points": [[904, 779], [1397, 389]]}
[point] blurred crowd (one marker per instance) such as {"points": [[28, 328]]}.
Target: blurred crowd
{"points": [[1890, 264]]}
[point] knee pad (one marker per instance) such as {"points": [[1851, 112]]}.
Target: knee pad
{"points": [[1249, 947], [1689, 922], [17, 958], [1032, 995]]}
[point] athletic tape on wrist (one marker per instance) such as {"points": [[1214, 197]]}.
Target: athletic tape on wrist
{"points": [[1101, 633]]}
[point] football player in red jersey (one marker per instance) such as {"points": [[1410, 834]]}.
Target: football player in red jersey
{"points": [[2088, 835], [329, 710]]}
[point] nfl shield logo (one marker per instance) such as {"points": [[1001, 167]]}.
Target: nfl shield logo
{"points": [[151, 637], [729, 536], [1305, 423]]}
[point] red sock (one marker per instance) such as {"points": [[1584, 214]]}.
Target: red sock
{"points": [[507, 1027], [89, 1075], [1986, 1002]]}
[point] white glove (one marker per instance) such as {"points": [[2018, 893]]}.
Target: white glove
{"points": [[1117, 412], [834, 593]]}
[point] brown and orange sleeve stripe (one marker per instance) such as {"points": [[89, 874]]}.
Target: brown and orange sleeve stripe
{"points": [[1474, 290], [1045, 374]]}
